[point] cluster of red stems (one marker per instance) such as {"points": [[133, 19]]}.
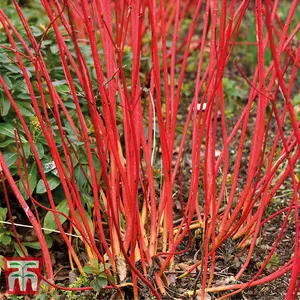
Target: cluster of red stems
{"points": [[125, 187]]}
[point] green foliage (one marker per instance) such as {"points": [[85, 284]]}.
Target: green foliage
{"points": [[234, 92], [5, 235], [20, 155], [49, 221], [7, 238], [273, 262], [96, 269], [9, 123]]}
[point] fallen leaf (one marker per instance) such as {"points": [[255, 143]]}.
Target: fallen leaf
{"points": [[116, 296], [217, 152], [183, 266], [171, 278], [121, 268], [72, 277], [225, 281]]}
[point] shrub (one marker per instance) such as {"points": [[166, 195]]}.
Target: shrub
{"points": [[103, 105]]}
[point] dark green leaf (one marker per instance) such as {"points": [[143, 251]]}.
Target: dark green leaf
{"points": [[89, 200], [32, 179], [7, 82], [25, 109], [79, 176], [4, 58], [12, 68], [26, 148], [49, 221], [5, 240], [53, 182], [7, 142], [70, 105], [99, 283], [40, 150], [33, 245], [49, 240], [7, 129], [4, 105], [19, 251], [10, 158]]}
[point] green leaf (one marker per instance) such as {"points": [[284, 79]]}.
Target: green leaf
{"points": [[26, 147], [3, 213], [24, 96], [12, 68], [62, 89], [4, 58], [36, 31], [87, 270], [49, 221], [79, 177], [33, 245], [46, 43], [25, 109], [49, 240], [89, 200], [7, 82], [54, 49], [6, 143], [40, 150], [99, 283], [5, 240], [10, 158], [70, 105], [7, 129], [19, 251], [53, 182], [61, 86], [4, 105], [32, 180]]}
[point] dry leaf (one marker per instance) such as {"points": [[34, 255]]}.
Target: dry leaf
{"points": [[72, 277], [116, 296], [121, 268], [217, 152], [171, 278], [225, 281], [184, 267]]}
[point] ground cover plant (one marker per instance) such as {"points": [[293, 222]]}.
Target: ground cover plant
{"points": [[147, 145]]}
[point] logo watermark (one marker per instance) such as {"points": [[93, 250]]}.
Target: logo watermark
{"points": [[21, 276]]}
